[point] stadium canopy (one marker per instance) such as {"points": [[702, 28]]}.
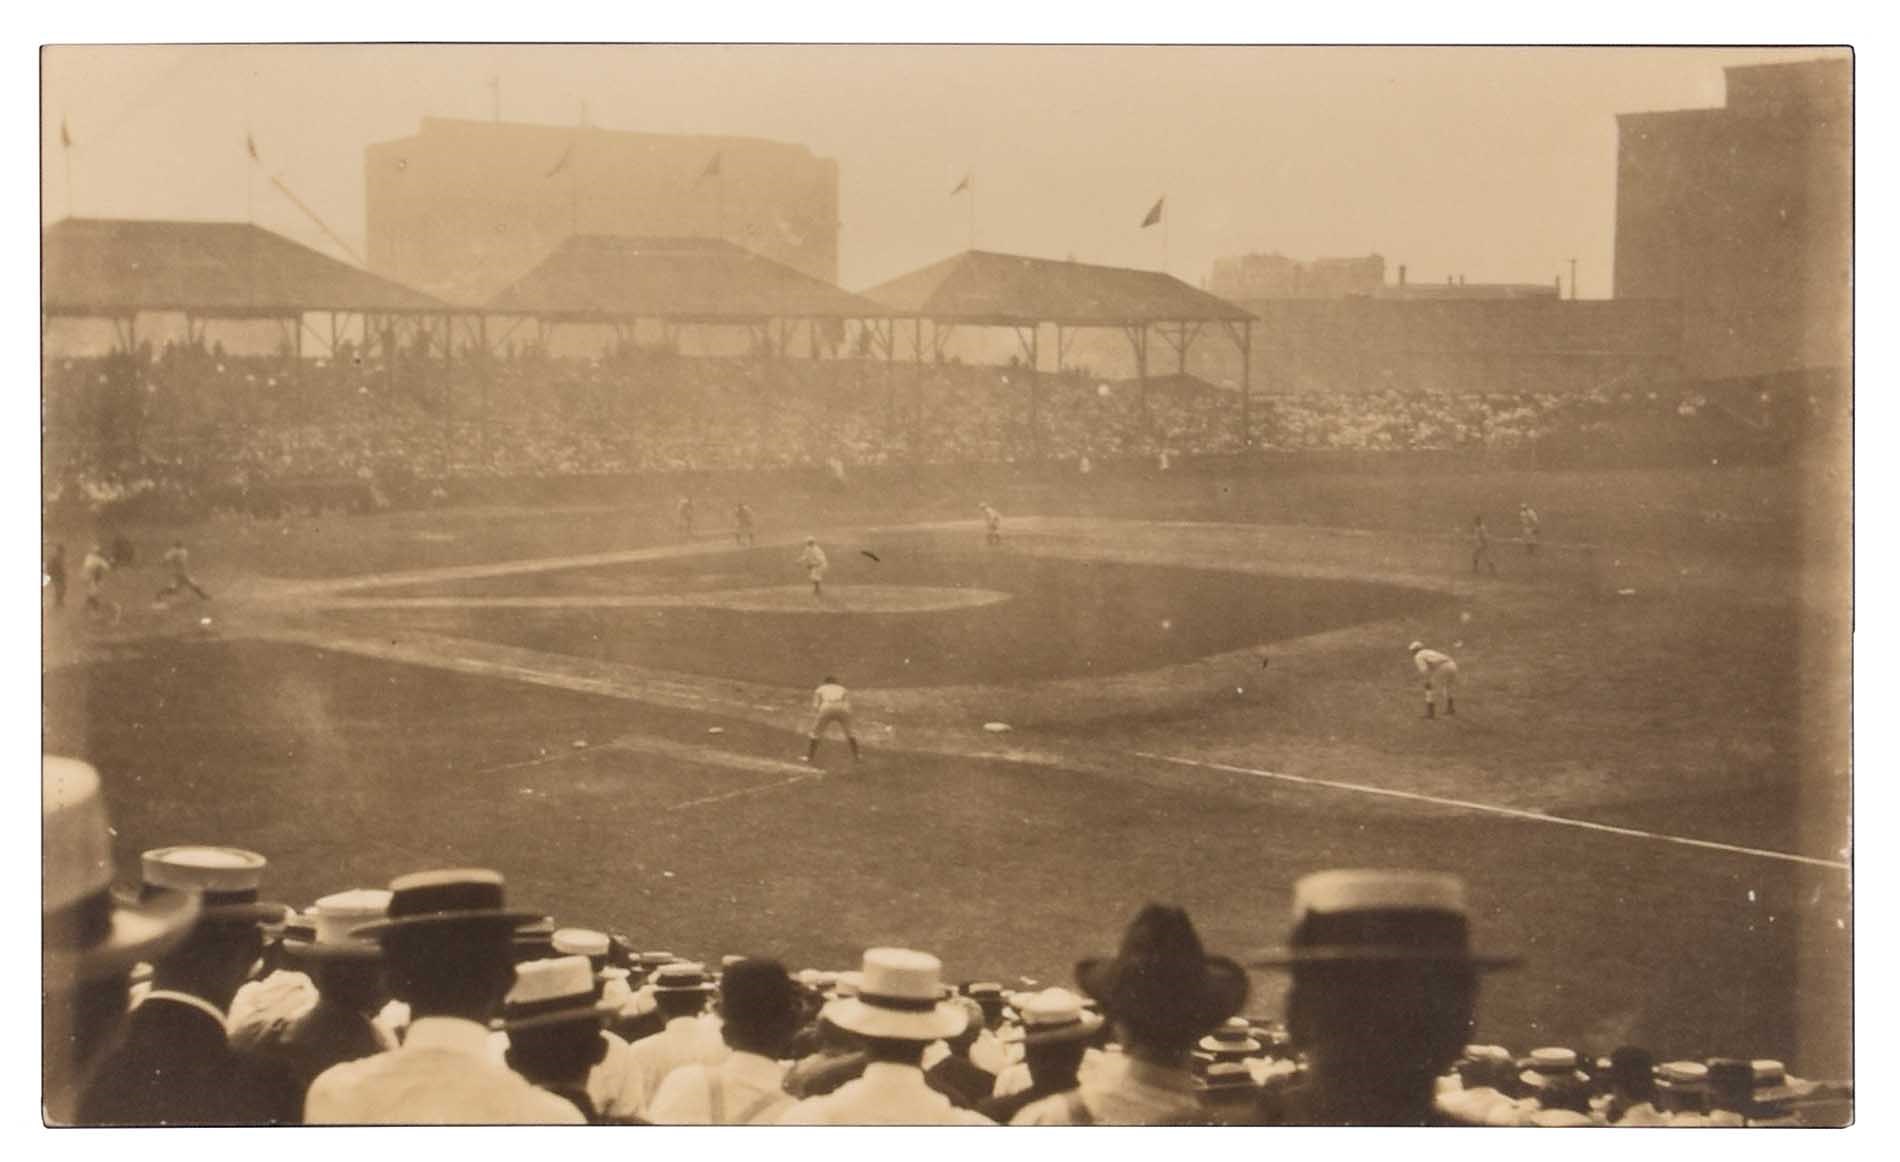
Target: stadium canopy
{"points": [[112, 268], [985, 289], [596, 278]]}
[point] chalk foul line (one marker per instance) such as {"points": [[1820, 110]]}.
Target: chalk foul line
{"points": [[1494, 809]]}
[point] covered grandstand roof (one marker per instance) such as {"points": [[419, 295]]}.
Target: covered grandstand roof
{"points": [[105, 266], [704, 280], [1011, 290]]}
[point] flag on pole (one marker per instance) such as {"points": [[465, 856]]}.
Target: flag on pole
{"points": [[65, 137], [250, 145], [961, 186], [714, 167], [561, 164], [1154, 213]]}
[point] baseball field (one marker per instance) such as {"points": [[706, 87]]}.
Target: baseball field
{"points": [[1207, 693]]}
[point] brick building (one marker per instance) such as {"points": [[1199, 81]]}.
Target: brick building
{"points": [[463, 208], [1743, 215]]}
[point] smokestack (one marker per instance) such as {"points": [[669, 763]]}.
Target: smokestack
{"points": [[1401, 276]]}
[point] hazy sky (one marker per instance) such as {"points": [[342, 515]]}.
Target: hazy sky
{"points": [[1498, 164]]}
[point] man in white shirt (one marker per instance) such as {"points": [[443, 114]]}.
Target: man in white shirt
{"points": [[1441, 678], [760, 1007], [830, 703], [899, 1010], [680, 991], [815, 563], [449, 949]]}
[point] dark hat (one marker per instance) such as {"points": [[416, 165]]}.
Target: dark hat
{"points": [[1361, 916], [1731, 1083], [450, 896], [226, 881], [86, 931], [1163, 978], [755, 994]]}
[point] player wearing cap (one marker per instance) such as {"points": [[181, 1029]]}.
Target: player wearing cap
{"points": [[815, 563], [1441, 677], [830, 703]]}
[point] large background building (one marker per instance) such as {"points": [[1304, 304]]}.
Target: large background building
{"points": [[1743, 214], [463, 208]]}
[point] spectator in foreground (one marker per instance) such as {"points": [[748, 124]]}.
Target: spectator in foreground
{"points": [[954, 1075], [348, 975], [1384, 990], [680, 991], [89, 938], [1632, 1098], [553, 1018], [1162, 993], [450, 955], [1056, 1035], [761, 1008], [174, 1064], [900, 1008]]}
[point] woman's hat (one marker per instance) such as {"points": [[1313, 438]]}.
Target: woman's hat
{"points": [[1163, 979], [554, 992], [902, 997], [1359, 916], [87, 932], [331, 923], [1056, 1015], [226, 881], [451, 896]]}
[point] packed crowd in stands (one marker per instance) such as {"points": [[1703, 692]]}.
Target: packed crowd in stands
{"points": [[439, 1000], [192, 422]]}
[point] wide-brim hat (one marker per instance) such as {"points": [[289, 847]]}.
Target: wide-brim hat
{"points": [[456, 896], [902, 997], [87, 930], [682, 977], [1054, 1017], [226, 881], [1163, 974], [1378, 916]]}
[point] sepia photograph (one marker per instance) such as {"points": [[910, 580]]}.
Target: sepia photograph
{"points": [[939, 584]]}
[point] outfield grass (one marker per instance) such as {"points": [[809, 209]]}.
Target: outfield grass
{"points": [[1712, 703]]}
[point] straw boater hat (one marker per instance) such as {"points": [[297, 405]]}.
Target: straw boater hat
{"points": [[683, 977], [451, 896], [87, 932], [553, 992], [1233, 1041], [1771, 1081], [1687, 1078], [901, 997], [331, 922], [1056, 1015], [1366, 916], [580, 942], [225, 880], [1163, 977], [1551, 1068]]}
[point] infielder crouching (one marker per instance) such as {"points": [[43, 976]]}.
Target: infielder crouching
{"points": [[830, 703], [1441, 677]]}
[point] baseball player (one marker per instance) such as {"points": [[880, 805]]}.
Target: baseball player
{"points": [[178, 561], [56, 575], [1481, 545], [830, 703], [1440, 673], [742, 531], [992, 525], [1527, 526], [683, 514], [94, 570], [813, 558]]}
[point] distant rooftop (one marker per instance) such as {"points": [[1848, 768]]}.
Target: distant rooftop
{"points": [[991, 289]]}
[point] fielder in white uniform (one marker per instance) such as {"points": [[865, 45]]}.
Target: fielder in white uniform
{"points": [[813, 558], [830, 703], [992, 525], [1441, 676]]}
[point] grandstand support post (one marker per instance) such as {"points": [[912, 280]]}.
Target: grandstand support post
{"points": [[296, 366], [1242, 335], [1138, 339]]}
